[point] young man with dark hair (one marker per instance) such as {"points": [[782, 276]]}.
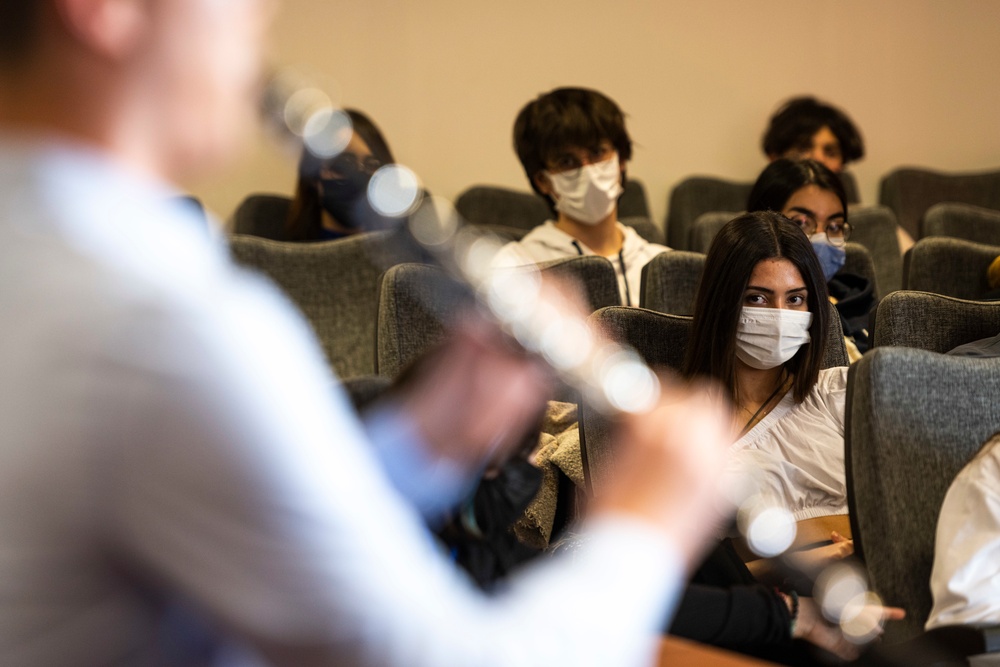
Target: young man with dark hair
{"points": [[574, 148]]}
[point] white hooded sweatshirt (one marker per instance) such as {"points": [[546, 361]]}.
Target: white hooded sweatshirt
{"points": [[546, 242]]}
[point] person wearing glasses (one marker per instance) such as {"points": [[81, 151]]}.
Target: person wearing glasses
{"points": [[813, 197], [574, 148], [330, 196]]}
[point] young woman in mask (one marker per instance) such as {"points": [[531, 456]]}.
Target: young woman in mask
{"points": [[331, 195], [574, 148], [812, 196], [760, 327]]}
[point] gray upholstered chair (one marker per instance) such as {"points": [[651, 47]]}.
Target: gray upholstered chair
{"points": [[874, 227], [334, 283], [697, 195], [949, 266], [932, 321], [706, 226], [645, 227], [962, 221], [661, 340], [416, 301], [262, 215], [914, 418], [496, 205], [670, 282], [911, 191]]}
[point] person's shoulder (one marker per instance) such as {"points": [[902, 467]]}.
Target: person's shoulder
{"points": [[832, 379], [542, 243], [634, 243]]}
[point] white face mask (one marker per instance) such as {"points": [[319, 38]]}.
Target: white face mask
{"points": [[768, 337], [588, 194]]}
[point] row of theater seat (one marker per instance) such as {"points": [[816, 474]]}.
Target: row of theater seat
{"points": [[914, 416]]}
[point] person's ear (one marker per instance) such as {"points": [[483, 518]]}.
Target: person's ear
{"points": [[543, 183], [110, 28]]}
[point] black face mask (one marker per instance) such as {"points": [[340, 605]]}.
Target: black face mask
{"points": [[346, 199]]}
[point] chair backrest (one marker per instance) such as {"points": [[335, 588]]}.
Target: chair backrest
{"points": [[262, 215], [661, 340], [874, 227], [949, 266], [962, 221], [697, 195], [913, 419], [911, 191], [633, 203], [645, 227], [495, 205], [706, 226], [506, 207], [416, 302], [670, 282], [932, 321], [335, 285]]}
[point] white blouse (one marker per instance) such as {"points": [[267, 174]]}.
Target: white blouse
{"points": [[795, 454], [965, 580]]}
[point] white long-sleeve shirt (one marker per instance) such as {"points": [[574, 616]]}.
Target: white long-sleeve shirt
{"points": [[170, 431]]}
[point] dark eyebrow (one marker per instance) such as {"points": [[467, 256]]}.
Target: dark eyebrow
{"points": [[766, 290], [803, 209]]}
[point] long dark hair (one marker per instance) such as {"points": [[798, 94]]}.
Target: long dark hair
{"points": [[738, 247], [305, 214], [783, 178]]}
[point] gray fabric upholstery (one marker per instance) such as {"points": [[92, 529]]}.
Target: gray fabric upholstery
{"points": [[495, 205], [913, 420], [595, 274], [911, 191], [874, 227], [416, 301], [365, 389], [698, 195], [661, 340], [963, 221], [645, 227], [262, 215], [706, 226], [949, 266], [670, 282], [334, 283], [933, 322], [695, 196], [633, 202]]}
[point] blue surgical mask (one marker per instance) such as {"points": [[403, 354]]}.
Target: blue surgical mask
{"points": [[831, 257]]}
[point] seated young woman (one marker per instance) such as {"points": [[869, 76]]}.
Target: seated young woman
{"points": [[813, 197], [331, 194], [760, 327]]}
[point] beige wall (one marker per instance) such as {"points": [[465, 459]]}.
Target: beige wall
{"points": [[445, 78]]}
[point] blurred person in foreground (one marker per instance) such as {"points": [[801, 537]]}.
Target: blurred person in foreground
{"points": [[172, 436]]}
